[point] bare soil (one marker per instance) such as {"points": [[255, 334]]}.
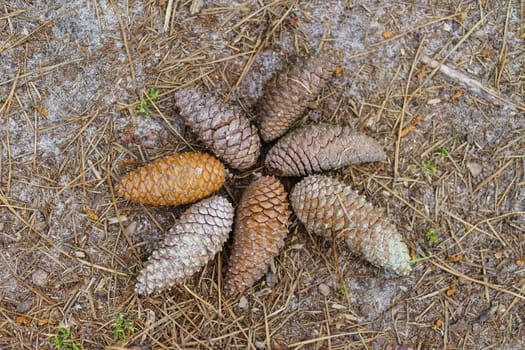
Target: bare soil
{"points": [[75, 115]]}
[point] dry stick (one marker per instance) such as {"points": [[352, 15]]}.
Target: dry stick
{"points": [[472, 85], [167, 17], [7, 103], [40, 71], [6, 203], [117, 214], [406, 100], [502, 59], [443, 266], [126, 45], [259, 48], [26, 284]]}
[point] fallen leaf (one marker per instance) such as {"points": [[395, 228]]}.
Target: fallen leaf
{"points": [[407, 130], [437, 324], [41, 110], [387, 35], [339, 70], [455, 258], [452, 290], [45, 321], [22, 320], [486, 52], [422, 72], [90, 213], [417, 119], [456, 95]]}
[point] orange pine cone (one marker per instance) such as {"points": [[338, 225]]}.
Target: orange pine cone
{"points": [[177, 179], [261, 225]]}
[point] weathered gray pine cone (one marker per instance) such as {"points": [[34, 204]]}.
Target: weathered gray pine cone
{"points": [[194, 240], [322, 147], [327, 206], [261, 224], [288, 94], [224, 131]]}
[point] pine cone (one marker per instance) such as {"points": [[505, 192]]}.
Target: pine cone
{"points": [[321, 147], [289, 93], [327, 206], [228, 134], [194, 240], [261, 225], [178, 179]]}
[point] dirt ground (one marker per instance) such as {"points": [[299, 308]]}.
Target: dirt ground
{"points": [[77, 111]]}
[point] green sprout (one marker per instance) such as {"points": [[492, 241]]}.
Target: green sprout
{"points": [[64, 340], [123, 329], [342, 292], [142, 106], [431, 235], [430, 168], [2, 100], [443, 152]]}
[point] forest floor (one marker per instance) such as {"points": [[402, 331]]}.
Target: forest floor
{"points": [[86, 95]]}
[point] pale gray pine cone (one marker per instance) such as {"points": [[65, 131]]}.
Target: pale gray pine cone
{"points": [[329, 207], [195, 238], [221, 128], [288, 94], [322, 147], [261, 224]]}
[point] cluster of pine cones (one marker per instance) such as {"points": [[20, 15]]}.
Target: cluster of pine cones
{"points": [[260, 223]]}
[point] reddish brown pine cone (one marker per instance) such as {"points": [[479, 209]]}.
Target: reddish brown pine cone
{"points": [[193, 241], [327, 206], [178, 179], [228, 134], [288, 94], [261, 224], [317, 148]]}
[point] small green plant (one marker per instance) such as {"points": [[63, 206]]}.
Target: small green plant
{"points": [[153, 96], [342, 292], [64, 340], [2, 100], [443, 152], [431, 235], [122, 329], [430, 168]]}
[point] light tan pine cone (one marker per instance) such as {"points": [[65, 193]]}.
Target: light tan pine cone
{"points": [[193, 241], [288, 94], [177, 179], [322, 147], [225, 132], [327, 206], [261, 224]]}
